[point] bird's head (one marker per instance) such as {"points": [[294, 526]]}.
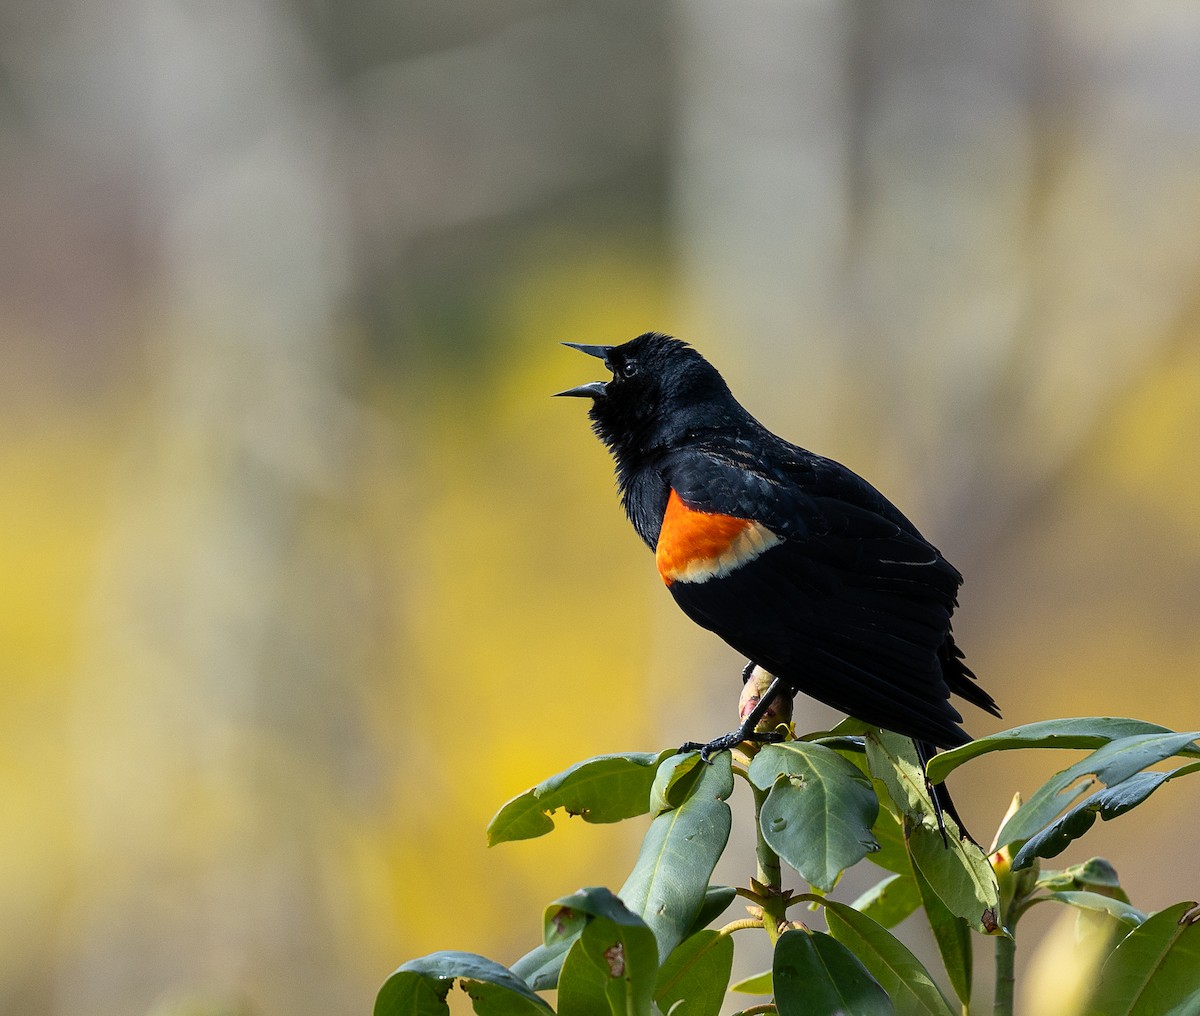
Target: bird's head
{"points": [[661, 390]]}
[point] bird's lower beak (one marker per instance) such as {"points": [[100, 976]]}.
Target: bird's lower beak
{"points": [[594, 389]]}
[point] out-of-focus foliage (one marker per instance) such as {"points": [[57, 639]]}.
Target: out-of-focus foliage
{"points": [[288, 514]]}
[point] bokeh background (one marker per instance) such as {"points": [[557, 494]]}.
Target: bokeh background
{"points": [[304, 572]]}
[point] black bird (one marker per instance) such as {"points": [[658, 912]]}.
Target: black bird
{"points": [[794, 560]]}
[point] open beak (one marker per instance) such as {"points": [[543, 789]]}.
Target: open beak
{"points": [[594, 389]]}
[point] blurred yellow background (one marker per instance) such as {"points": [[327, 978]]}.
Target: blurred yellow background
{"points": [[305, 573]]}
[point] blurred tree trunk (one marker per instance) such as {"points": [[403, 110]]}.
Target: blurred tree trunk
{"points": [[204, 859]]}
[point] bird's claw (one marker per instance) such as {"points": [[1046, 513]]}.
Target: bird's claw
{"points": [[727, 742]]}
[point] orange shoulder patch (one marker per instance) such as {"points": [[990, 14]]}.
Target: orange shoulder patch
{"points": [[695, 546]]}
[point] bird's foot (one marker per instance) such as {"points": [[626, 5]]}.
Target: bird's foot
{"points": [[727, 742]]}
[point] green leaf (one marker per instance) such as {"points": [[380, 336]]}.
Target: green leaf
{"points": [[1095, 874], [887, 831], [893, 761], [909, 985], [953, 938], [407, 993], [959, 873], [889, 902], [562, 923], [1084, 900], [1190, 1006], [1108, 804], [1155, 969], [419, 988], [815, 975], [669, 882], [539, 968], [693, 980], [716, 901], [607, 788], [755, 984], [1079, 732], [819, 809], [568, 916], [673, 780], [611, 968], [954, 870], [1059, 792], [1113, 763]]}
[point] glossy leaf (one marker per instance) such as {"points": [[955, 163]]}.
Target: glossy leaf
{"points": [[673, 779], [539, 968], [562, 923], [819, 810], [716, 901], [419, 988], [607, 788], [669, 881], [953, 938], [954, 869], [693, 980], [566, 917], [1078, 732], [756, 984], [1061, 791], [1095, 874], [909, 985], [1112, 763], [887, 831], [889, 902], [1084, 900], [893, 761], [957, 871], [407, 993], [1108, 804], [1155, 969], [815, 975], [611, 968]]}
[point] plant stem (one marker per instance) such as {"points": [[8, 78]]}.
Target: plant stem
{"points": [[1006, 959], [742, 925], [768, 859], [774, 903]]}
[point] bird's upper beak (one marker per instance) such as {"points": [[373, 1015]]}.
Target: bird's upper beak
{"points": [[594, 389]]}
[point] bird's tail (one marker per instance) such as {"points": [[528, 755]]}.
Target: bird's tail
{"points": [[960, 679]]}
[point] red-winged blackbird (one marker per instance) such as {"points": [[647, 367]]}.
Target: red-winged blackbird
{"points": [[795, 561]]}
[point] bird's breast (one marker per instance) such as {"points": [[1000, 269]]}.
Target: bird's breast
{"points": [[695, 546]]}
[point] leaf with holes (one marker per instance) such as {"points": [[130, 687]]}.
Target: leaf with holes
{"points": [[612, 967], [607, 788], [819, 809], [419, 988], [669, 881]]}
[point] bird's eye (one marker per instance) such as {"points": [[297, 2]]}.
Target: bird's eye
{"points": [[628, 368]]}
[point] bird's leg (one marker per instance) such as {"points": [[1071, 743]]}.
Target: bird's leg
{"points": [[746, 732]]}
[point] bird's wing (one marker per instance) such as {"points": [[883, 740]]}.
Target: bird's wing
{"points": [[840, 596], [841, 522]]}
